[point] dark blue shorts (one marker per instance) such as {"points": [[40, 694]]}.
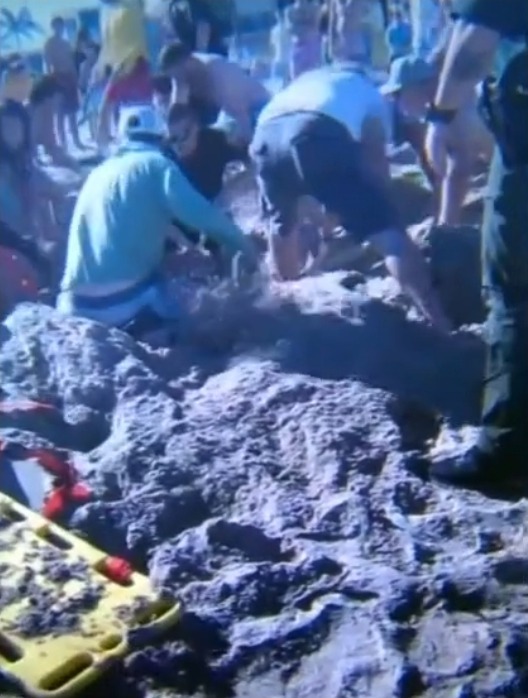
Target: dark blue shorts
{"points": [[310, 154]]}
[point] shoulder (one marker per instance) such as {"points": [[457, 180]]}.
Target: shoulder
{"points": [[509, 18]]}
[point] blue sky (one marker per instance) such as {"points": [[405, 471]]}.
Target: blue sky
{"points": [[42, 11]]}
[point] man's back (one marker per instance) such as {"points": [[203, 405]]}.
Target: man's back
{"points": [[120, 221], [341, 92]]}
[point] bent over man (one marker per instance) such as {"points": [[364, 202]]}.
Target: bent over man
{"points": [[325, 136]]}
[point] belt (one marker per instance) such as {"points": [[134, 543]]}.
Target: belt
{"points": [[117, 298]]}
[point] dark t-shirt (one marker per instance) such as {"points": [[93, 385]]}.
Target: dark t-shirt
{"points": [[205, 168], [508, 17]]}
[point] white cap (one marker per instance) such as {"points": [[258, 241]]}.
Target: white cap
{"points": [[139, 118]]}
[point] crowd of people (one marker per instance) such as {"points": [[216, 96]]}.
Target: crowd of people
{"points": [[169, 107]]}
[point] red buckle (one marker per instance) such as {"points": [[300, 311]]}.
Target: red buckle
{"points": [[117, 570]]}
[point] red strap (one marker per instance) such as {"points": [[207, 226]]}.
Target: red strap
{"points": [[55, 504], [67, 490], [25, 406], [53, 464]]}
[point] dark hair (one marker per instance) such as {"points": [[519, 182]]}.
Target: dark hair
{"points": [[43, 89], [173, 54], [181, 112], [162, 84], [19, 160], [57, 20]]}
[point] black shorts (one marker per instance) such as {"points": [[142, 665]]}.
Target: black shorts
{"points": [[310, 154]]}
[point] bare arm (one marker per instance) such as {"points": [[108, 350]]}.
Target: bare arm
{"points": [[468, 60]]}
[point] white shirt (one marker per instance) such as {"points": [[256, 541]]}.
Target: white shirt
{"points": [[339, 91]]}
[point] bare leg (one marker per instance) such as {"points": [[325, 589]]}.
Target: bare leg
{"points": [[405, 263], [453, 191]]}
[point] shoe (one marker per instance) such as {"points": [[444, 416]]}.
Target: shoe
{"points": [[474, 469]]}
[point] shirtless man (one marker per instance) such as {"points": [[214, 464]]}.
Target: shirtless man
{"points": [[214, 85], [411, 87], [60, 62], [325, 136]]}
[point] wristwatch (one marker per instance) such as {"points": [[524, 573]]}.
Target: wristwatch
{"points": [[437, 115]]}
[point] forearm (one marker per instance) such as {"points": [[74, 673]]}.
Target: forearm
{"points": [[469, 58]]}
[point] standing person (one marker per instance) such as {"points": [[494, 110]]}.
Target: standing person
{"points": [[349, 42], [281, 46], [199, 27], [124, 56], [399, 35], [482, 30], [302, 20], [409, 90], [325, 136], [426, 20], [82, 41], [374, 28], [59, 58]]}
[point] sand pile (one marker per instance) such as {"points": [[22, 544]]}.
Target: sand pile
{"points": [[270, 469]]}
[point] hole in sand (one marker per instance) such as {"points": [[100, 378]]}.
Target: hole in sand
{"points": [[54, 539], [110, 642], [70, 670], [9, 651]]}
